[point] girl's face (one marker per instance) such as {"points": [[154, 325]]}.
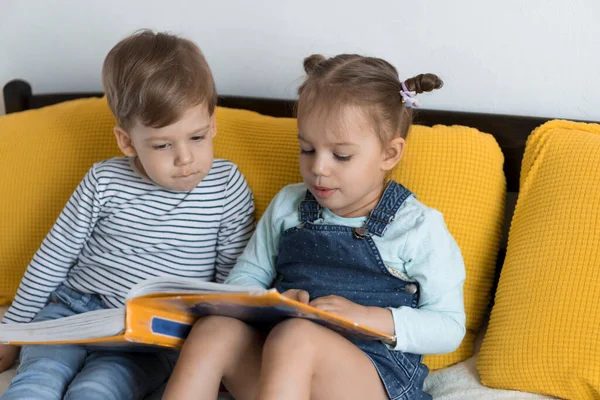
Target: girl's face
{"points": [[344, 164]]}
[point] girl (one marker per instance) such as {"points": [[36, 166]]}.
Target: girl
{"points": [[349, 241]]}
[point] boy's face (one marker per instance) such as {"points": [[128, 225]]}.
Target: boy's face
{"points": [[176, 157]]}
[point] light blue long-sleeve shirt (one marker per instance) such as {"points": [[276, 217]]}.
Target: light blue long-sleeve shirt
{"points": [[416, 246]]}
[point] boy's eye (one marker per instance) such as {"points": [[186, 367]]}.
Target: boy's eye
{"points": [[304, 151], [160, 146], [342, 158], [197, 138]]}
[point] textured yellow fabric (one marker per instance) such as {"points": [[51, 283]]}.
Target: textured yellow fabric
{"points": [[44, 154], [544, 331], [456, 170], [265, 149]]}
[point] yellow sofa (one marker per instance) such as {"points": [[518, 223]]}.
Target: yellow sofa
{"points": [[462, 171]]}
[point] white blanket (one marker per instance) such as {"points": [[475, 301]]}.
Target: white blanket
{"points": [[461, 382]]}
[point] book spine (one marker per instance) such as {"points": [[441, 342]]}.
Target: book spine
{"points": [[157, 326]]}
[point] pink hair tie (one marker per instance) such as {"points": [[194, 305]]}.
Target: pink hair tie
{"points": [[408, 97]]}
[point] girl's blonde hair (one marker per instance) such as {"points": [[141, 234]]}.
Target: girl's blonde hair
{"points": [[370, 83]]}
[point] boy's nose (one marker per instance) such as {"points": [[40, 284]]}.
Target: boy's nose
{"points": [[184, 156]]}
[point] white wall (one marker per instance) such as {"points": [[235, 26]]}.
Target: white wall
{"points": [[535, 57]]}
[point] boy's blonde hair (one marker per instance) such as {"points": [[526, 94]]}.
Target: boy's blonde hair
{"points": [[153, 78]]}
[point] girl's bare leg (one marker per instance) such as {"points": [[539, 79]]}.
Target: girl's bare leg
{"points": [[217, 349], [303, 360]]}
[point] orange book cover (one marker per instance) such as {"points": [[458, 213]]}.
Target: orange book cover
{"points": [[165, 319], [158, 319]]}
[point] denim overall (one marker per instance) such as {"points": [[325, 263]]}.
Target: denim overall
{"points": [[340, 260]]}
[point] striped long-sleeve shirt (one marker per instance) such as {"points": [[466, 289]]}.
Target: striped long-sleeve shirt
{"points": [[119, 229]]}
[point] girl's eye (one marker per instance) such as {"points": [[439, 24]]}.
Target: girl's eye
{"points": [[342, 158], [303, 151], [160, 146], [196, 138]]}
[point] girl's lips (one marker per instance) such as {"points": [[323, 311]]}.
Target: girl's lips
{"points": [[323, 192]]}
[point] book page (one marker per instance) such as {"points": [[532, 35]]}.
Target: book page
{"points": [[85, 326], [171, 284]]}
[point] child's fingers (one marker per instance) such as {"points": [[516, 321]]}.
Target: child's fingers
{"points": [[320, 305], [291, 294], [321, 302], [303, 296], [8, 355], [330, 308], [297, 294], [331, 299]]}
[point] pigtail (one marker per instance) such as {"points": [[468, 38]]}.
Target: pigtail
{"points": [[312, 62], [424, 83]]}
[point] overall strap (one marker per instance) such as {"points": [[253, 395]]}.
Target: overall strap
{"points": [[309, 208], [381, 216]]}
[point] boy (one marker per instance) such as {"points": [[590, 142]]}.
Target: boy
{"points": [[167, 208]]}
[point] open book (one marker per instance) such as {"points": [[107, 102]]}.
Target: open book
{"points": [[161, 311]]}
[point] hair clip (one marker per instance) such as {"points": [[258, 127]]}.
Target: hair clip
{"points": [[408, 97]]}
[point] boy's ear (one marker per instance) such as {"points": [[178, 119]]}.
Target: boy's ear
{"points": [[124, 141], [213, 125], [393, 153]]}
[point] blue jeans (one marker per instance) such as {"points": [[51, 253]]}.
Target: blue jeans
{"points": [[86, 372]]}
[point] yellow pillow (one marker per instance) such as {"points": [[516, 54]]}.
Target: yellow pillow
{"points": [[44, 154], [544, 331], [265, 149], [456, 170]]}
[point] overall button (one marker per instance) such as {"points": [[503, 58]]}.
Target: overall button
{"points": [[360, 233], [410, 288]]}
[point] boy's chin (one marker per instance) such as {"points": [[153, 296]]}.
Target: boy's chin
{"points": [[179, 186]]}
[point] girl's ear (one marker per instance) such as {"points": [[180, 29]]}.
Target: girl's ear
{"points": [[393, 153], [124, 141]]}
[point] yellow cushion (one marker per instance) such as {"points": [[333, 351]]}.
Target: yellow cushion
{"points": [[456, 170], [544, 331], [44, 154], [265, 149]]}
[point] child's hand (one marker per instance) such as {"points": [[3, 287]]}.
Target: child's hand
{"points": [[342, 307], [374, 317], [297, 294], [8, 355]]}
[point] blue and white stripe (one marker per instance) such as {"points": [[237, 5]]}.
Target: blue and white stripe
{"points": [[119, 229]]}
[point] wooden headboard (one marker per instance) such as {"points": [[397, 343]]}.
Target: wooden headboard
{"points": [[510, 131]]}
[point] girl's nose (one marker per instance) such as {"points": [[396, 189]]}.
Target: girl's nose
{"points": [[320, 167]]}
